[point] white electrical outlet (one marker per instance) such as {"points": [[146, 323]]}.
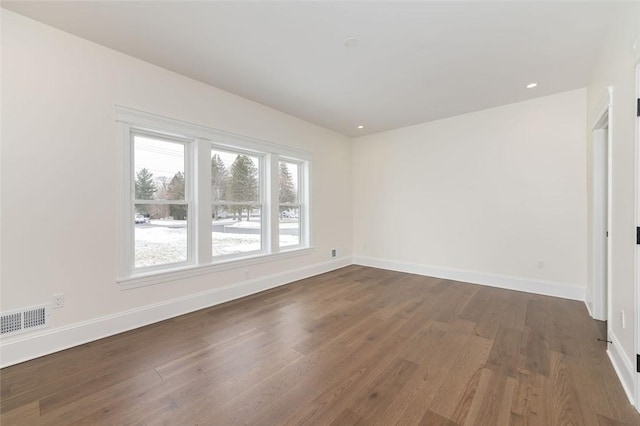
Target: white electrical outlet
{"points": [[58, 301], [334, 252], [541, 264]]}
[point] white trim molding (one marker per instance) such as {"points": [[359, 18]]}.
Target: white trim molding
{"points": [[636, 48], [197, 143], [606, 101], [622, 365], [194, 271], [546, 288], [600, 207], [637, 250], [175, 127], [26, 347], [588, 301]]}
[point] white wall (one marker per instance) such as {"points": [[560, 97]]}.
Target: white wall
{"points": [[616, 67], [481, 197], [59, 173]]}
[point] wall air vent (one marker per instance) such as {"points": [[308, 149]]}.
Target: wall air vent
{"points": [[23, 320]]}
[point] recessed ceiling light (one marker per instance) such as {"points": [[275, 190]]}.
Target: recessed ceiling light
{"points": [[350, 41], [531, 85], [361, 127]]}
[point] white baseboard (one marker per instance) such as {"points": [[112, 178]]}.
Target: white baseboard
{"points": [[588, 301], [26, 347], [546, 288], [622, 365]]}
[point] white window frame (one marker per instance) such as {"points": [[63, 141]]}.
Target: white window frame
{"points": [[189, 201], [301, 205], [199, 141], [262, 201]]}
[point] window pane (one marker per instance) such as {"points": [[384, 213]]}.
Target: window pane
{"points": [[160, 237], [236, 229], [234, 177], [289, 226], [159, 169], [288, 189]]}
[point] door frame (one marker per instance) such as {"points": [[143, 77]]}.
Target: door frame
{"points": [[637, 254], [601, 119]]}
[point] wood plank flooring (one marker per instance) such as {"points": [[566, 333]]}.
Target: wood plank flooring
{"points": [[357, 346]]}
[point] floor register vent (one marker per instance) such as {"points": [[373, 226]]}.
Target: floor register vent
{"points": [[23, 320]]}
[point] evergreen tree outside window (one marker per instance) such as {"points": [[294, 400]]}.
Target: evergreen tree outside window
{"points": [[199, 198], [160, 197], [243, 185], [175, 191], [145, 189], [237, 207], [145, 186], [219, 178], [289, 203]]}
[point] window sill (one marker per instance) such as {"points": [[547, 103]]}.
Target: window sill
{"points": [[143, 280]]}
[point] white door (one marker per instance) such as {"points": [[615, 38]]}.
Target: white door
{"points": [[601, 208], [600, 221]]}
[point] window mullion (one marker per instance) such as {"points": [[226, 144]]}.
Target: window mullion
{"points": [[127, 191], [304, 197], [190, 170], [273, 202], [202, 197]]}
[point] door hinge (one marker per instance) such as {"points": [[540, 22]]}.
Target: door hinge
{"points": [[638, 109], [637, 234], [638, 363]]}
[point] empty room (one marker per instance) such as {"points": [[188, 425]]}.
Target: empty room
{"points": [[320, 213]]}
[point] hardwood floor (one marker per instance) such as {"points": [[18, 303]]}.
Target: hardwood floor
{"points": [[357, 346]]}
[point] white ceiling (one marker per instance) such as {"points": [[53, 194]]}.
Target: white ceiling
{"points": [[415, 61]]}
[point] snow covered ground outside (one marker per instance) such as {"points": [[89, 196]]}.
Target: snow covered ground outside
{"points": [[165, 241], [254, 224], [160, 245]]}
